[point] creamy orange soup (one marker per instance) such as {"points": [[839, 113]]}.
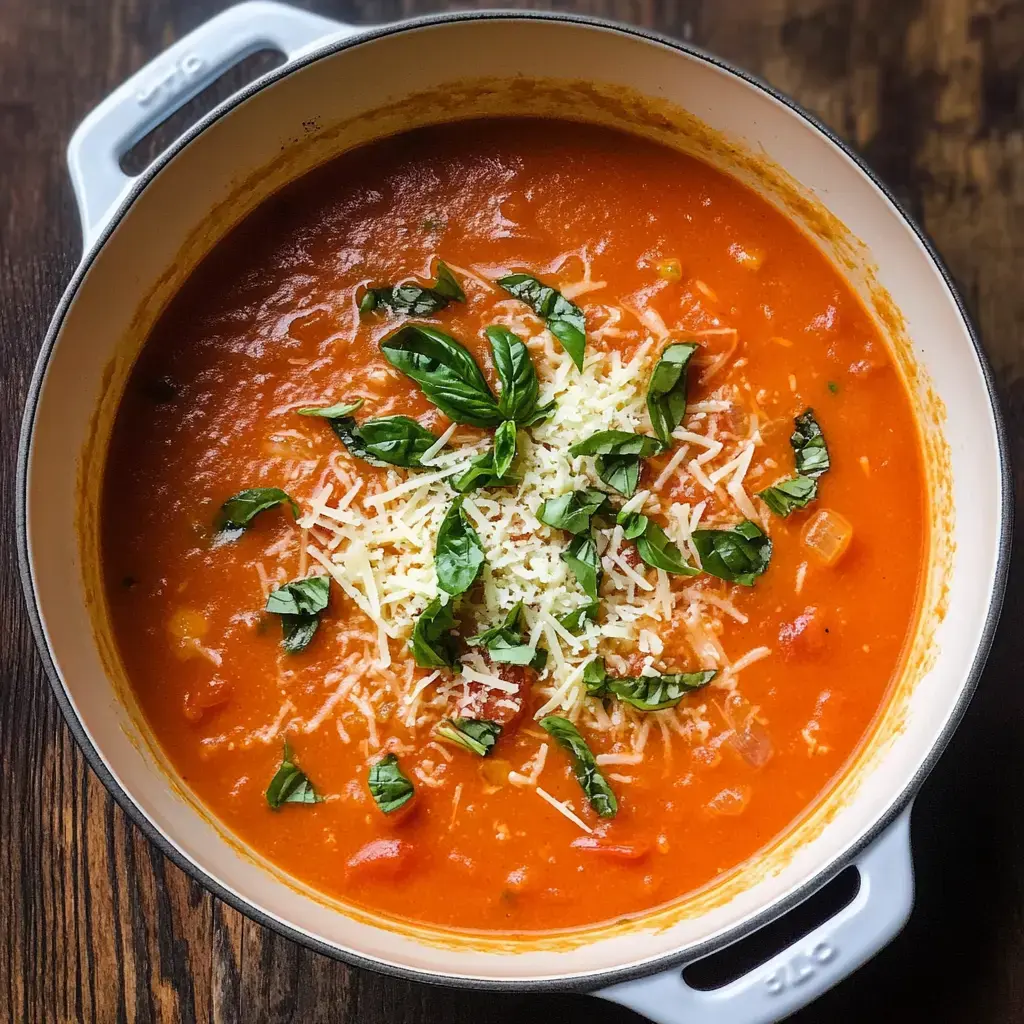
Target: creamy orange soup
{"points": [[656, 600]]}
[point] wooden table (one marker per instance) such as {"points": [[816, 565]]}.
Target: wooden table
{"points": [[98, 926]]}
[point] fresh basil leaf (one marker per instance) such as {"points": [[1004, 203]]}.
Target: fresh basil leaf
{"points": [[504, 447], [739, 554], [646, 693], [573, 511], [666, 392], [520, 389], [620, 472], [588, 775], [505, 642], [388, 786], [633, 524], [289, 785], [574, 621], [564, 319], [238, 511], [477, 735], [390, 440], [481, 473], [809, 444], [659, 552], [458, 553], [446, 372], [787, 495], [581, 557], [299, 604], [432, 643], [414, 299], [618, 442]]}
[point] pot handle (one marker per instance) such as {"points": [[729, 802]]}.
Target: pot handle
{"points": [[167, 83], [806, 969]]}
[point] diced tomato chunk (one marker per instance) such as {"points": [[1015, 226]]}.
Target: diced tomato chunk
{"points": [[614, 851], [806, 635], [382, 859], [214, 694], [497, 705]]}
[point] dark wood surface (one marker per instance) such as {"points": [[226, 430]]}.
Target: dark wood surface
{"points": [[96, 925]]}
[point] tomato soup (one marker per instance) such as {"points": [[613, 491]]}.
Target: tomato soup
{"points": [[498, 526]]}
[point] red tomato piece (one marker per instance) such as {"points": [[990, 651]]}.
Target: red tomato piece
{"points": [[382, 859], [614, 851]]}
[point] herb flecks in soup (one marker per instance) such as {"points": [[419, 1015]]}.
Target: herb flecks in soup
{"points": [[590, 586]]}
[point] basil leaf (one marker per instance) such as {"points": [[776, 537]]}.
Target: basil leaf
{"points": [[738, 555], [588, 775], [505, 642], [520, 389], [646, 693], [666, 392], [458, 553], [432, 643], [238, 511], [633, 524], [414, 299], [299, 604], [581, 557], [564, 319], [787, 495], [481, 473], [574, 621], [618, 442], [477, 735], [331, 412], [809, 444], [445, 371], [289, 785], [504, 447], [388, 786], [618, 456], [659, 552], [573, 511], [390, 440], [620, 472]]}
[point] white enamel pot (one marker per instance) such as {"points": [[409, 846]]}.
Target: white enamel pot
{"points": [[141, 236]]}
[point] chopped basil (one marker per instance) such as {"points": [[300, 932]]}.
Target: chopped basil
{"points": [[299, 604], [289, 785], [739, 554], [618, 456], [574, 621], [446, 372], [492, 468], [647, 693], [520, 390], [390, 440], [504, 447], [787, 495], [573, 511], [581, 557], [388, 786], [505, 642], [458, 553], [809, 444], [414, 299], [593, 783], [432, 643], [833, 387], [331, 412], [564, 319], [238, 511], [666, 392], [477, 735], [653, 544]]}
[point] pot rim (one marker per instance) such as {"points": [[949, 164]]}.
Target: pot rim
{"points": [[591, 980]]}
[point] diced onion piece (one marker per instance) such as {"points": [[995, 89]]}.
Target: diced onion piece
{"points": [[730, 802], [747, 256], [749, 737], [187, 624], [494, 771], [828, 535], [670, 270]]}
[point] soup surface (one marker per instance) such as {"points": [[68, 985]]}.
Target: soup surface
{"points": [[673, 676]]}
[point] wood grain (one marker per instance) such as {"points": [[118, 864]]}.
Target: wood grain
{"points": [[97, 926]]}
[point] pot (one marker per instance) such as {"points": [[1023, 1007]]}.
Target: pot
{"points": [[339, 87]]}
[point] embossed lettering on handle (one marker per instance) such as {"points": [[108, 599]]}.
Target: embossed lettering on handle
{"points": [[177, 78], [800, 968]]}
